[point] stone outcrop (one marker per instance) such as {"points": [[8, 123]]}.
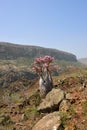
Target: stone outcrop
{"points": [[10, 74], [52, 101], [64, 106], [51, 121]]}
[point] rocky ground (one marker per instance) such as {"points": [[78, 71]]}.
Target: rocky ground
{"points": [[63, 108]]}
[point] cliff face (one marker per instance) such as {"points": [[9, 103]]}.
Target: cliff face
{"points": [[10, 51]]}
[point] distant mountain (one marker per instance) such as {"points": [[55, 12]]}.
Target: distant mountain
{"points": [[83, 60], [9, 51]]}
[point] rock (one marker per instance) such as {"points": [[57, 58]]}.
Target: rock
{"points": [[84, 85], [49, 122], [23, 117], [10, 74], [52, 100], [64, 106], [68, 96]]}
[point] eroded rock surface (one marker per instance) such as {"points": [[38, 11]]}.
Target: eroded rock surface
{"points": [[52, 100], [51, 121]]}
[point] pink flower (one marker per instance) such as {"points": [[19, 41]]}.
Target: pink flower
{"points": [[48, 59], [37, 61], [38, 69], [42, 64]]}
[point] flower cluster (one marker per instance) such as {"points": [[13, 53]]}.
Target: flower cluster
{"points": [[42, 64], [43, 60]]}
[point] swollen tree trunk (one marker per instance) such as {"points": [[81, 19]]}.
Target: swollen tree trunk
{"points": [[42, 87], [45, 85]]}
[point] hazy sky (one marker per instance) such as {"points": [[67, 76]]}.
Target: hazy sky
{"points": [[59, 24]]}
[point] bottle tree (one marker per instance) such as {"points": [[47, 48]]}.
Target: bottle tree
{"points": [[44, 67]]}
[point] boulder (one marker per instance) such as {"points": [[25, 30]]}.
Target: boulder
{"points": [[52, 101], [64, 105], [68, 96], [23, 117], [51, 121]]}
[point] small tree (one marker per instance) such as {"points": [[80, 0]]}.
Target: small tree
{"points": [[43, 67]]}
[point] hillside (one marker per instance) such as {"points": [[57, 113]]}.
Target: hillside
{"points": [[65, 107], [10, 51], [83, 61]]}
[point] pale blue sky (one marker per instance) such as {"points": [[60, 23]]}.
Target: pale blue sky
{"points": [[59, 24]]}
